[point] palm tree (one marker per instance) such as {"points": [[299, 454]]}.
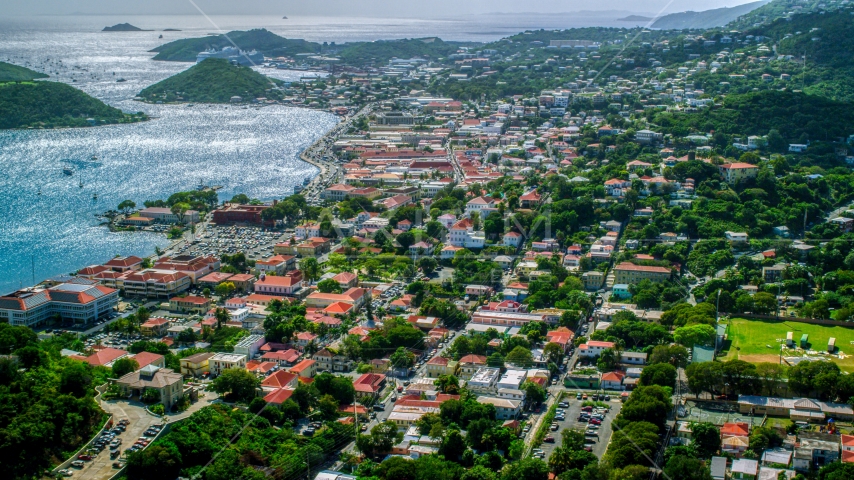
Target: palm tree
{"points": [[222, 316]]}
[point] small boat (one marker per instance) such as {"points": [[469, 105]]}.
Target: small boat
{"points": [[94, 157], [80, 184], [284, 18], [40, 192], [161, 36], [298, 189], [94, 196], [68, 170], [306, 181], [120, 80]]}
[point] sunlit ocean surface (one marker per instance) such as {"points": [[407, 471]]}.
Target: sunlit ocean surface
{"points": [[250, 150]]}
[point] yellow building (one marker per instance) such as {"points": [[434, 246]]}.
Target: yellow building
{"points": [[735, 172], [196, 365], [629, 273], [441, 366]]}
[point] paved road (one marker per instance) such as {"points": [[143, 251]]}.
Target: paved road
{"points": [[101, 468]]}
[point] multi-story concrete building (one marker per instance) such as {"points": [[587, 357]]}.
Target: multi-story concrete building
{"points": [[81, 301], [484, 380], [629, 273], [196, 365], [223, 361], [155, 283], [169, 385], [249, 346], [735, 172], [504, 409]]}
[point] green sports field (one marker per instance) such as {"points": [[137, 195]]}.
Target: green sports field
{"points": [[759, 340]]}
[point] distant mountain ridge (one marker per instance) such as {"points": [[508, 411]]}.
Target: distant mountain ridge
{"points": [[717, 17], [634, 18], [264, 41]]}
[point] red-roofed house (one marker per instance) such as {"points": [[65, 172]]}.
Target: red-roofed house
{"points": [[734, 172], [144, 359], [593, 348], [190, 303], [305, 369], [346, 280], [530, 200], [469, 364], [562, 336], [105, 357], [353, 296], [275, 285], [278, 397], [154, 327], [847, 448], [613, 380], [280, 379], [338, 308], [284, 358], [303, 339], [369, 385]]}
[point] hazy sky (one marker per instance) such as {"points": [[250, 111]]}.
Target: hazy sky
{"points": [[377, 8]]}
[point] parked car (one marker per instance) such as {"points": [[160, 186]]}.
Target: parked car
{"points": [[65, 472], [118, 465], [77, 464], [595, 421], [549, 439], [84, 456]]}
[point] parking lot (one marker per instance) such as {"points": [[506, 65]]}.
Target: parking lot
{"points": [[572, 412], [101, 466], [255, 242]]}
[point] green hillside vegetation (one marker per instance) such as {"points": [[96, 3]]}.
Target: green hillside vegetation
{"points": [[706, 19], [214, 80], [827, 41], [48, 410], [54, 104], [14, 73], [266, 42], [774, 10], [798, 117], [380, 52]]}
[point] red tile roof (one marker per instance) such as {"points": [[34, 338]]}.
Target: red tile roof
{"points": [[279, 396]]}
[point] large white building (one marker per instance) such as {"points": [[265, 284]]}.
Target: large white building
{"points": [[484, 380], [249, 346], [81, 301], [463, 234], [223, 361], [504, 409]]}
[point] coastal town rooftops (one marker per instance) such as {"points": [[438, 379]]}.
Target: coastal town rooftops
{"points": [[474, 359], [73, 293], [124, 262]]}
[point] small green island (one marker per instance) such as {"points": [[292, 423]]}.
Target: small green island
{"points": [[214, 80], [124, 27], [25, 103]]}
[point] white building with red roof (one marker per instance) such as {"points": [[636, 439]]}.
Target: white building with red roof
{"points": [[593, 348], [80, 300]]}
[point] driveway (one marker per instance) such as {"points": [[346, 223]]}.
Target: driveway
{"points": [[101, 468]]}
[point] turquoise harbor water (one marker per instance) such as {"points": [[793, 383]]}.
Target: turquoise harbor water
{"points": [[250, 150]]}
